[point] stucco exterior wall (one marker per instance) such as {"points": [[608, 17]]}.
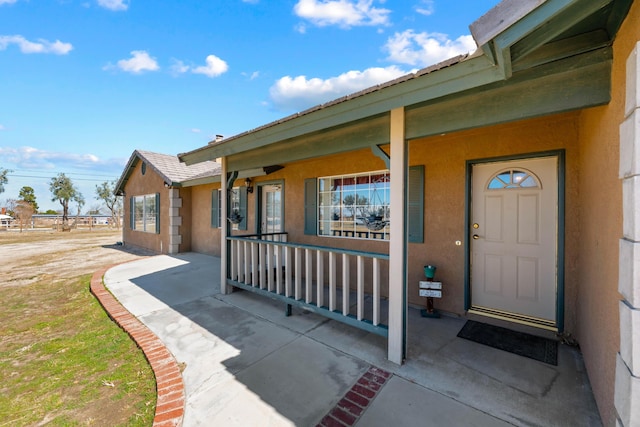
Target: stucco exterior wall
{"points": [[137, 185], [601, 226], [444, 158], [204, 238]]}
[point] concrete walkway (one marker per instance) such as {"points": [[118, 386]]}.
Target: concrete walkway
{"points": [[246, 364]]}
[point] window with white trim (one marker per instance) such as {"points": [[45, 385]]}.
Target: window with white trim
{"points": [[144, 213], [355, 205]]}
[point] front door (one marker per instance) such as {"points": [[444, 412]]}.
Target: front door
{"points": [[514, 240], [271, 210]]}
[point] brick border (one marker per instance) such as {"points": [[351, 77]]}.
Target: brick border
{"points": [[169, 385], [357, 399]]}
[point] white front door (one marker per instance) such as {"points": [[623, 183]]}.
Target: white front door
{"points": [[514, 240], [271, 215]]}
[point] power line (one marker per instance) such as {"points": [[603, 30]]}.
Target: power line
{"points": [[66, 173], [48, 177]]}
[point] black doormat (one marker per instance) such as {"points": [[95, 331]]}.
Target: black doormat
{"points": [[527, 345]]}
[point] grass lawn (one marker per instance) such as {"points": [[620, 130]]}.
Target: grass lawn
{"points": [[63, 362]]}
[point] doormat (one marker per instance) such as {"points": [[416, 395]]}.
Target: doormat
{"points": [[520, 343]]}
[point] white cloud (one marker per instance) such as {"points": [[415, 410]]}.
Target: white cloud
{"points": [[196, 130], [7, 1], [41, 46], [139, 62], [2, 128], [424, 49], [299, 93], [34, 158], [115, 5], [425, 7], [178, 67], [215, 66], [251, 76], [343, 13]]}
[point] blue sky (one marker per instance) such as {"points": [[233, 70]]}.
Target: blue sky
{"points": [[84, 83]]}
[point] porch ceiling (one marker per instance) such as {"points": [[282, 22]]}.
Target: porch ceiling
{"points": [[536, 57]]}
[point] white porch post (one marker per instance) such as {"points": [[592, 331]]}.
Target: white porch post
{"points": [[224, 289], [627, 385], [398, 240]]}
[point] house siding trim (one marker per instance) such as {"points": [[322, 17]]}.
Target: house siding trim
{"points": [[627, 381]]}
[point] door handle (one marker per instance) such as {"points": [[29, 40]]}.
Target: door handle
{"points": [[475, 237]]}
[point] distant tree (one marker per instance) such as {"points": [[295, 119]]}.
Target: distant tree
{"points": [[50, 212], [107, 193], [64, 191], [23, 211], [28, 195], [3, 178]]}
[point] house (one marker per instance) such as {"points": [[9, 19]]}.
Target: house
{"points": [[514, 170], [158, 192]]}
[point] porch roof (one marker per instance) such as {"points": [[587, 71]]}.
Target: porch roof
{"points": [[543, 56]]}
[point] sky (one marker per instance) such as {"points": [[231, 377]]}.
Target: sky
{"points": [[83, 83]]}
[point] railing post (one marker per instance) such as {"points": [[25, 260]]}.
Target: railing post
{"points": [[376, 291], [270, 267], [264, 269], [254, 264], [246, 264], [345, 284], [298, 275], [233, 254], [332, 281], [320, 278], [278, 261], [287, 271], [360, 290], [308, 275]]}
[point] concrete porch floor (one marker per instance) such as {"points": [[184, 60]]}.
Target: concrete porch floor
{"points": [[248, 364]]}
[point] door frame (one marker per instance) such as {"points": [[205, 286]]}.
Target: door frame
{"points": [[259, 198], [560, 155]]}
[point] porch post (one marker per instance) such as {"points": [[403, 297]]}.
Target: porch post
{"points": [[224, 289], [627, 383], [398, 240]]}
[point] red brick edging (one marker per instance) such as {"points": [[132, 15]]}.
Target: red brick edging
{"points": [[169, 386], [353, 404]]}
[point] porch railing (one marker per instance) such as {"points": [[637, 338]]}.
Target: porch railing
{"points": [[307, 276]]}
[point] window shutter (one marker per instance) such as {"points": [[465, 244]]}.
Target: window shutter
{"points": [[157, 213], [215, 220], [132, 219], [310, 206], [243, 208], [415, 205]]}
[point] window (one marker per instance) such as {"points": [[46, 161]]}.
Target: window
{"points": [[355, 206], [513, 178], [144, 213], [237, 208], [358, 206]]}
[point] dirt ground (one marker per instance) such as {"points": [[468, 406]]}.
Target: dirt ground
{"points": [[31, 256]]}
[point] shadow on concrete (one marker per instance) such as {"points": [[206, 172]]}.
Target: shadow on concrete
{"points": [[248, 364]]}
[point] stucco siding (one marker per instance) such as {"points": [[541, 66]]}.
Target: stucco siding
{"points": [[444, 158], [601, 227], [137, 185]]}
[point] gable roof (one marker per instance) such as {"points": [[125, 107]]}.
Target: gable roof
{"points": [[170, 169], [541, 56]]}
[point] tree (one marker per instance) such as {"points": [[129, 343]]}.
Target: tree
{"points": [[3, 178], [107, 193], [23, 212], [28, 195], [63, 191]]}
